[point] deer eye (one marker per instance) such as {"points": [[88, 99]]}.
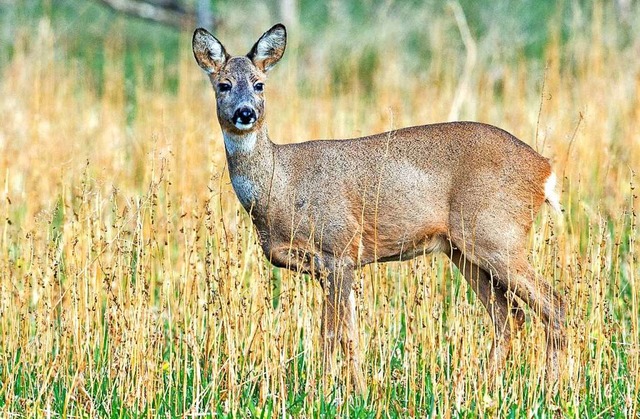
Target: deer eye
{"points": [[224, 87], [259, 87]]}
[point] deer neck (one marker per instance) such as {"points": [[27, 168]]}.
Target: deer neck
{"points": [[251, 166]]}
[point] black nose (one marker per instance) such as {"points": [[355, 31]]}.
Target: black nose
{"points": [[244, 115]]}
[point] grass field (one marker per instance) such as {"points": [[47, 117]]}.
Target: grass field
{"points": [[131, 280]]}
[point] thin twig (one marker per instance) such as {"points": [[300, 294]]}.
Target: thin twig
{"points": [[469, 64]]}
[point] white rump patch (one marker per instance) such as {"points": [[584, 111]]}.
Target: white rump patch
{"points": [[239, 143], [550, 193]]}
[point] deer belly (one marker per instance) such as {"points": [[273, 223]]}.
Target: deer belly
{"points": [[387, 245]]}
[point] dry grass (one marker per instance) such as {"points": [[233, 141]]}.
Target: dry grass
{"points": [[132, 283]]}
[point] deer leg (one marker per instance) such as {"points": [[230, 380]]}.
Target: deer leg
{"points": [[339, 323], [519, 277], [488, 245], [349, 341], [550, 305], [504, 312]]}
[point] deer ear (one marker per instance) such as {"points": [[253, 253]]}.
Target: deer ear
{"points": [[269, 48], [208, 51]]}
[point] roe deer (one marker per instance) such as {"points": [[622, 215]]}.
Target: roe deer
{"points": [[467, 189]]}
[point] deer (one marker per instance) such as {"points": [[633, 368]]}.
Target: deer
{"points": [[329, 207]]}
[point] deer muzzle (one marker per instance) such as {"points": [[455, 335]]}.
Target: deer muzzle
{"points": [[244, 118]]}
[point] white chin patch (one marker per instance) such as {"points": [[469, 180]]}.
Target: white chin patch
{"points": [[244, 127]]}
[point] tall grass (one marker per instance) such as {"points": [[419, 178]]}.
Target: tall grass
{"points": [[132, 283]]}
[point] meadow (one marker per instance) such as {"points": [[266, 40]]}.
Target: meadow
{"points": [[131, 280]]}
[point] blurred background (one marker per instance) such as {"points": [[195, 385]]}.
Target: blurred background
{"points": [[345, 40], [132, 283]]}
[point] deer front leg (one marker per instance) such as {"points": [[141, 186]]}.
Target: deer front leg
{"points": [[349, 341], [339, 324]]}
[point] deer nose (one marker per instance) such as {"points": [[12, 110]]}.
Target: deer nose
{"points": [[244, 115]]}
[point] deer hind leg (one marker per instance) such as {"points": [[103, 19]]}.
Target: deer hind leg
{"points": [[339, 323], [495, 241], [515, 274], [550, 306], [504, 312]]}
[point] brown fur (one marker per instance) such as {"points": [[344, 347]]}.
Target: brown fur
{"points": [[327, 207]]}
